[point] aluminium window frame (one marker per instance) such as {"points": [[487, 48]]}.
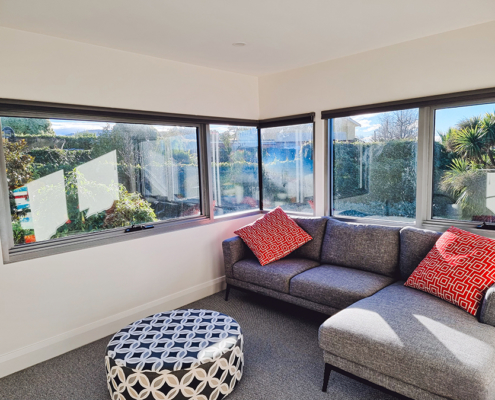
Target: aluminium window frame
{"points": [[299, 119], [33, 109], [329, 181], [237, 214], [427, 219], [425, 162], [302, 119], [38, 109]]}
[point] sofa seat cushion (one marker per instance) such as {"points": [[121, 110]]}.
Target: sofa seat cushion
{"points": [[338, 287], [275, 275], [416, 338]]}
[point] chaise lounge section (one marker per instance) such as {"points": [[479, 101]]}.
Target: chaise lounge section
{"points": [[401, 339]]}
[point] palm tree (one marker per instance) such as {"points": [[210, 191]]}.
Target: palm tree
{"points": [[470, 144], [470, 122], [488, 128]]}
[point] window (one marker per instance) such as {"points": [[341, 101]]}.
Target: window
{"points": [[374, 165], [464, 163], [234, 168], [287, 176], [73, 177]]}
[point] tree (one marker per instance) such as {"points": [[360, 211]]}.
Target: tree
{"points": [[470, 122], [472, 139], [488, 128], [397, 125], [19, 164], [28, 126], [470, 144]]}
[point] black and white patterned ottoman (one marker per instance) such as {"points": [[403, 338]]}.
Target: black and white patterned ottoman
{"points": [[181, 354]]}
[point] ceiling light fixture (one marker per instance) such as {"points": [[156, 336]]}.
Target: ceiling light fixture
{"points": [[239, 44]]}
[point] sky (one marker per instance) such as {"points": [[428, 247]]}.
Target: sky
{"points": [[444, 118], [447, 117], [67, 127]]}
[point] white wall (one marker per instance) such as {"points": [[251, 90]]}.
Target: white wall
{"points": [[454, 61], [38, 67], [53, 304]]}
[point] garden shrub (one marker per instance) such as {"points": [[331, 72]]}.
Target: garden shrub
{"points": [[130, 209]]}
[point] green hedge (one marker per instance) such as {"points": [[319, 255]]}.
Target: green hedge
{"points": [[377, 178], [47, 161], [84, 142]]}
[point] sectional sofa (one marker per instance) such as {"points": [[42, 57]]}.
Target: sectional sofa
{"points": [[379, 331]]}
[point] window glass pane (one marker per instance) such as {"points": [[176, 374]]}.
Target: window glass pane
{"points": [[234, 163], [464, 163], [288, 167], [71, 177], [374, 165]]}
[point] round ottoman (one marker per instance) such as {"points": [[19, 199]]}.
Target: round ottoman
{"points": [[181, 354]]}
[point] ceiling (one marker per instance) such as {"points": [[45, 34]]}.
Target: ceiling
{"points": [[280, 34]]}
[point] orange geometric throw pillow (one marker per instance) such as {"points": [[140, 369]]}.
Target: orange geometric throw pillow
{"points": [[273, 236], [459, 269]]}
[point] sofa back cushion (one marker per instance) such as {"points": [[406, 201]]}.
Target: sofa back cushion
{"points": [[415, 244], [372, 248], [315, 227]]}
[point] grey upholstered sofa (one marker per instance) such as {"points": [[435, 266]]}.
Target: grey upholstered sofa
{"points": [[401, 339]]}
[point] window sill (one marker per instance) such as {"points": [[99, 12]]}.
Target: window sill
{"points": [[89, 240], [293, 213], [443, 225], [73, 243], [375, 221], [236, 215]]}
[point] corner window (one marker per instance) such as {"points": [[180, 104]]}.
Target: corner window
{"points": [[287, 175], [464, 163], [73, 177], [374, 165], [234, 168]]}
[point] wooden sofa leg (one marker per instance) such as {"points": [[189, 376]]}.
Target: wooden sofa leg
{"points": [[227, 291], [326, 377]]}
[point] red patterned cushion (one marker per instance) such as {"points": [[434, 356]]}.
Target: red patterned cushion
{"points": [[273, 237], [459, 268]]}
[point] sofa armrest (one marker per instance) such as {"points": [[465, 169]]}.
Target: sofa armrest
{"points": [[234, 249], [487, 315]]}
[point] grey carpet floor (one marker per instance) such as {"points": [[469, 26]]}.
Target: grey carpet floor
{"points": [[282, 359]]}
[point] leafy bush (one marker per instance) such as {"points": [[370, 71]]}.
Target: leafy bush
{"points": [[78, 220], [130, 209]]}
